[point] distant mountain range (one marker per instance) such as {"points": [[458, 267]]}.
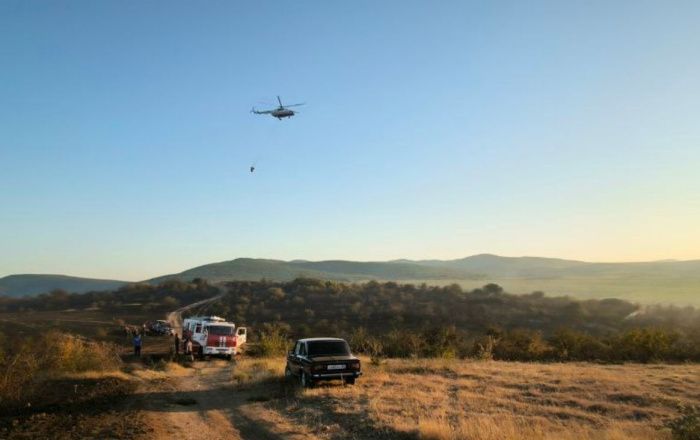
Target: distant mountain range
{"points": [[337, 270], [26, 285], [668, 280]]}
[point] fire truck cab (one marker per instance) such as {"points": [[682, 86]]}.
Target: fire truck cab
{"points": [[213, 336]]}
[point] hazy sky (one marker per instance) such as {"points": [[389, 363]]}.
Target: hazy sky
{"points": [[432, 130]]}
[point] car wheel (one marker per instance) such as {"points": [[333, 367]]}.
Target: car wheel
{"points": [[305, 381], [349, 381]]}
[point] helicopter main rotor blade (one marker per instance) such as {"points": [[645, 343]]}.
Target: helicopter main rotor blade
{"points": [[294, 105], [279, 100]]}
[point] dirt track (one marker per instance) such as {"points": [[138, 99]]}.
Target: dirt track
{"points": [[202, 403], [175, 317]]}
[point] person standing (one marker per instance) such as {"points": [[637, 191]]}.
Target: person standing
{"points": [[177, 344], [188, 349], [137, 345]]}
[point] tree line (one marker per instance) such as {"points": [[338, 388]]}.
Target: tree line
{"points": [[407, 320], [404, 320]]}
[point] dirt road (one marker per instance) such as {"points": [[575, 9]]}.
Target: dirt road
{"points": [[202, 403], [175, 317]]}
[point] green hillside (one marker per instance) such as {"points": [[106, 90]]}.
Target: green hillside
{"points": [[255, 269], [649, 282]]}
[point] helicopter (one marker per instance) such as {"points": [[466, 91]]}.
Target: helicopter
{"points": [[280, 112]]}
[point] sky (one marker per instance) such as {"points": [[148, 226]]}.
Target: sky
{"points": [[430, 130]]}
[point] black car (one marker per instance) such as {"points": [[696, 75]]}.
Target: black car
{"points": [[317, 359]]}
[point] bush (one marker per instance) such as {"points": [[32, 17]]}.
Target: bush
{"points": [[484, 348], [522, 345], [272, 341], [404, 343], [71, 354], [52, 355], [646, 344], [375, 351], [570, 345], [687, 425]]}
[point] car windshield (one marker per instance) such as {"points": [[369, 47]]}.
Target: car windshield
{"points": [[220, 330], [329, 348]]}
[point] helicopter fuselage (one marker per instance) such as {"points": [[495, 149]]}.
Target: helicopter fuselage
{"points": [[282, 113]]}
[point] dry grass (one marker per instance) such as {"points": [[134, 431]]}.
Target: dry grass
{"points": [[249, 371], [452, 399], [115, 374]]}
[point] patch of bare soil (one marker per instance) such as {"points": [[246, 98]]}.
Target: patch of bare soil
{"points": [[81, 408]]}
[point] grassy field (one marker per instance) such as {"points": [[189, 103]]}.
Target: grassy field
{"points": [[429, 399], [93, 324], [451, 399]]}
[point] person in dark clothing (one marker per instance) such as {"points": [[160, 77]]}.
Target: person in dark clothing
{"points": [[177, 344], [137, 345]]}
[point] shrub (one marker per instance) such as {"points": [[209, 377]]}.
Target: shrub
{"points": [[375, 351], [484, 348], [687, 425], [272, 341], [570, 345], [35, 359], [359, 340], [522, 345], [646, 344], [404, 343], [443, 342]]}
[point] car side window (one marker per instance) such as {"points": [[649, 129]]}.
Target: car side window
{"points": [[302, 350]]}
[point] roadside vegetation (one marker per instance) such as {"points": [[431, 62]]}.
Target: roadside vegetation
{"points": [[62, 386], [28, 364]]}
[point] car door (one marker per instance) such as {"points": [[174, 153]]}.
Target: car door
{"points": [[241, 335], [302, 357], [293, 358]]}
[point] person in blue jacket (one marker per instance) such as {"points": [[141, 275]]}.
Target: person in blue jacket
{"points": [[137, 345]]}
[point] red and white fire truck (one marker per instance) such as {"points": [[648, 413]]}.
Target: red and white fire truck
{"points": [[213, 336]]}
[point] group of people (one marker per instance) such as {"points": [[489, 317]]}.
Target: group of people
{"points": [[186, 345]]}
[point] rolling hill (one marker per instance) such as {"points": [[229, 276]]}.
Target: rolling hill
{"points": [[337, 270], [30, 284], [477, 267], [656, 281]]}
